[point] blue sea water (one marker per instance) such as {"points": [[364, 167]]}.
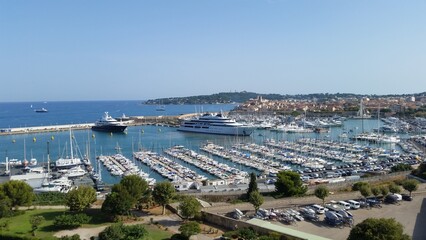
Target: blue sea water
{"points": [[153, 138], [22, 114]]}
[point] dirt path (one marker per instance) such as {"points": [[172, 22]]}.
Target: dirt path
{"points": [[172, 222]]}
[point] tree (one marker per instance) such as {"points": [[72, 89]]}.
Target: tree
{"points": [[163, 194], [382, 228], [410, 185], [115, 231], [256, 199], [136, 186], [35, 221], [358, 185], [189, 207], [117, 203], [365, 191], [393, 188], [252, 184], [19, 193], [190, 228], [80, 198], [125, 195], [384, 190], [247, 234], [375, 191], [5, 204], [420, 171], [321, 192], [289, 184]]}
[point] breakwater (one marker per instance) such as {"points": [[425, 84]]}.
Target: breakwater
{"points": [[169, 121]]}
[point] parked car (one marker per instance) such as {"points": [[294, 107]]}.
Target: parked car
{"points": [[398, 196], [318, 209], [391, 199], [309, 214], [407, 197], [373, 202]]}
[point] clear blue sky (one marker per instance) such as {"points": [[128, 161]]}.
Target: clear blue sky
{"points": [[113, 50]]}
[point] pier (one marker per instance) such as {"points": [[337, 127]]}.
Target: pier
{"points": [[220, 170], [168, 168], [171, 121]]}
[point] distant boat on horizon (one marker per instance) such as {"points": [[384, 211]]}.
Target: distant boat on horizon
{"points": [[41, 110], [161, 108]]}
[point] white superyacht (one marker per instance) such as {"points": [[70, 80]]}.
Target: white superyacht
{"points": [[215, 124]]}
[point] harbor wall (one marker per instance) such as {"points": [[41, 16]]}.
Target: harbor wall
{"points": [[171, 121]]}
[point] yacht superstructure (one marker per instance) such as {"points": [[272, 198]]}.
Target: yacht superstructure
{"points": [[215, 124]]}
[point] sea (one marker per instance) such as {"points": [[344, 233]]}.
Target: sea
{"points": [[149, 137]]}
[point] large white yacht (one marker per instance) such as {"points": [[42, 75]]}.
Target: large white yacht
{"points": [[108, 124], [215, 124]]}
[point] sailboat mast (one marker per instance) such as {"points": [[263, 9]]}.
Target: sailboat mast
{"points": [[48, 160], [25, 151], [72, 155], [378, 120]]}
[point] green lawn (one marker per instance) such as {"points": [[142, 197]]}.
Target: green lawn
{"points": [[157, 234], [20, 226]]}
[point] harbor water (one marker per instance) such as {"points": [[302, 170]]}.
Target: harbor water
{"points": [[153, 138]]}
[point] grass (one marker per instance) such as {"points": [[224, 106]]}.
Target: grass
{"points": [[157, 234], [19, 226]]}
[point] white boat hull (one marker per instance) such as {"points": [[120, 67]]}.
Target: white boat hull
{"points": [[235, 131]]}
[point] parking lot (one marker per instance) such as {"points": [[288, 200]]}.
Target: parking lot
{"points": [[412, 215]]}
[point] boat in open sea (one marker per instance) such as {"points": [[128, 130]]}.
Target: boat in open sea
{"points": [[108, 124], [215, 124], [41, 110]]}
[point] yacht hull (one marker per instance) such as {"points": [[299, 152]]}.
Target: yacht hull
{"points": [[233, 131], [109, 128]]}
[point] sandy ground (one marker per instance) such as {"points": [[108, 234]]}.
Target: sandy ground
{"points": [[172, 222]]}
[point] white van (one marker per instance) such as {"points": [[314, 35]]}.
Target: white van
{"points": [[318, 209], [354, 204], [344, 204]]}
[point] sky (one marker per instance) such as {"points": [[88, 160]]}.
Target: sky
{"points": [[145, 49]]}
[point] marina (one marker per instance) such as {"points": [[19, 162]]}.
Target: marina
{"points": [[168, 168], [222, 171], [224, 159]]}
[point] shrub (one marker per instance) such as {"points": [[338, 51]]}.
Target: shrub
{"points": [[119, 231], [358, 186], [73, 237], [177, 236], [69, 221], [401, 167], [50, 198]]}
